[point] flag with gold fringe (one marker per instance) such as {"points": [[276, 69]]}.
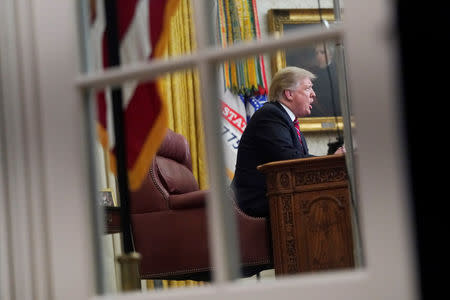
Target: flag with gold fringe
{"points": [[244, 80], [142, 35]]}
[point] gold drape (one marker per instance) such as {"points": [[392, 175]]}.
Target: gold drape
{"points": [[183, 94]]}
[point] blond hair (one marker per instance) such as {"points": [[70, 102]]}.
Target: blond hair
{"points": [[287, 79]]}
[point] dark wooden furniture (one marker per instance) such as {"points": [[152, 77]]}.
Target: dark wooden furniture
{"points": [[310, 214], [112, 219]]}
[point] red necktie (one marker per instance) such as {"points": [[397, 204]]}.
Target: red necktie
{"points": [[297, 126]]}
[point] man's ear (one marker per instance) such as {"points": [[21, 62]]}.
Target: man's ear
{"points": [[287, 94]]}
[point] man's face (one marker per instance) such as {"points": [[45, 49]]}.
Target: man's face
{"points": [[300, 99]]}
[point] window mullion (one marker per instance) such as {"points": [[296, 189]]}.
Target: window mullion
{"points": [[152, 69], [221, 222]]}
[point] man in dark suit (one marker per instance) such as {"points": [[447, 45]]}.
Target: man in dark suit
{"points": [[271, 135]]}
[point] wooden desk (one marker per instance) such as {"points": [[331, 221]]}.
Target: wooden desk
{"points": [[310, 215]]}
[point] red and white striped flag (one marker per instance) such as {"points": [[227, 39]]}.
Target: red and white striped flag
{"points": [[142, 27]]}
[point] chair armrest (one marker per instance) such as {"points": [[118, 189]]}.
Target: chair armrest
{"points": [[196, 199]]}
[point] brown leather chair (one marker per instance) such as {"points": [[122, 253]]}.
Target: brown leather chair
{"points": [[169, 222]]}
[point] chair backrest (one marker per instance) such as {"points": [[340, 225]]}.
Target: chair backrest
{"points": [[173, 165], [176, 147], [170, 173]]}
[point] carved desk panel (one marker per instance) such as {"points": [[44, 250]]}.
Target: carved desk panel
{"points": [[310, 214]]}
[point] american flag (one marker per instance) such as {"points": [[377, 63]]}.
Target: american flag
{"points": [[142, 33]]}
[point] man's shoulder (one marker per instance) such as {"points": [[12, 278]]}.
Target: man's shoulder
{"points": [[275, 109], [270, 111], [270, 107]]}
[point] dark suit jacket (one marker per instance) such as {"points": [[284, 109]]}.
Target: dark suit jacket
{"points": [[269, 136]]}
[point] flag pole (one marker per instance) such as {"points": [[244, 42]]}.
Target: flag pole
{"points": [[129, 261]]}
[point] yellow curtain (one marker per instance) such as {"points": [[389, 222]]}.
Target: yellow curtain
{"points": [[183, 94]]}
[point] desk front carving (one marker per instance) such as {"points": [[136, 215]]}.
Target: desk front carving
{"points": [[310, 214]]}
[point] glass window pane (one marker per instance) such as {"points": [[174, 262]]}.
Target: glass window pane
{"points": [[168, 213], [311, 202], [164, 198]]}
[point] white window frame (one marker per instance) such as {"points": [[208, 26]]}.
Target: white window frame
{"points": [[46, 188]]}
